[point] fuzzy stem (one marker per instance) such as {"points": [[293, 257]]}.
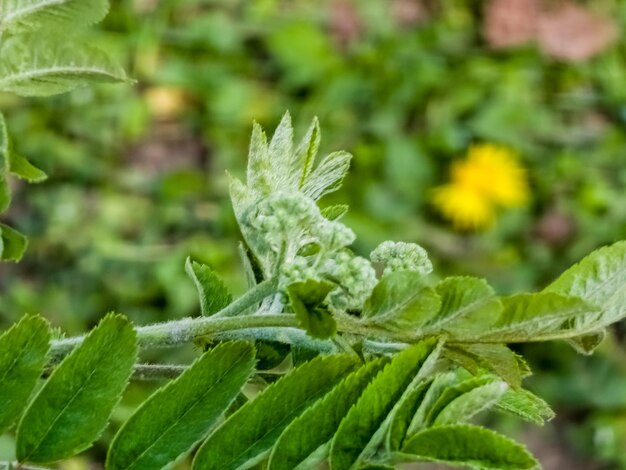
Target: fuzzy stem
{"points": [[157, 371]]}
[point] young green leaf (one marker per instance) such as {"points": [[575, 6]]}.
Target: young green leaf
{"points": [[73, 407], [280, 151], [468, 445], [449, 394], [366, 421], [526, 405], [404, 414], [468, 405], [306, 299], [44, 66], [496, 358], [29, 15], [538, 317], [599, 279], [248, 435], [328, 176], [467, 303], [305, 155], [178, 415], [12, 244], [316, 425], [259, 162], [214, 295], [403, 300], [23, 350], [439, 384], [335, 212], [24, 169]]}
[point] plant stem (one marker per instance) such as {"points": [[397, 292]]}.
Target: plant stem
{"points": [[157, 371]]}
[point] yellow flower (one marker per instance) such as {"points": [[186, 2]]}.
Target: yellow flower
{"points": [[467, 209], [488, 178]]}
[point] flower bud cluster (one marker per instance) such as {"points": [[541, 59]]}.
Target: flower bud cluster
{"points": [[401, 256], [356, 278]]}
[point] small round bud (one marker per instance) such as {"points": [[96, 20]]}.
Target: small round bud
{"points": [[401, 256]]}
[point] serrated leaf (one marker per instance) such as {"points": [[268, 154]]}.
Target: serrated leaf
{"points": [[404, 414], [467, 303], [448, 395], [22, 168], [73, 407], [538, 317], [259, 162], [44, 66], [328, 176], [12, 244], [439, 384], [214, 295], [280, 151], [365, 422], [599, 279], [470, 446], [66, 15], [403, 300], [526, 405], [23, 350], [468, 405], [248, 435], [317, 425], [496, 358], [173, 419], [305, 154], [306, 300]]}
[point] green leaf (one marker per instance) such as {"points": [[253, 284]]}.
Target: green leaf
{"points": [[260, 169], [367, 420], [5, 193], [31, 15], [181, 413], [21, 167], [12, 244], [280, 151], [317, 425], [247, 436], [526, 405], [73, 407], [214, 295], [306, 300], [402, 300], [328, 176], [599, 279], [335, 212], [496, 358], [439, 385], [468, 405], [470, 446], [447, 396], [44, 66], [305, 155], [538, 317], [23, 350], [467, 303], [404, 414]]}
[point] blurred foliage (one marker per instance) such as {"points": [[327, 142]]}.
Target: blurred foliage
{"points": [[137, 173]]}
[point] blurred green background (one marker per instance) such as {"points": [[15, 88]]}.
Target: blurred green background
{"points": [[137, 173]]}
